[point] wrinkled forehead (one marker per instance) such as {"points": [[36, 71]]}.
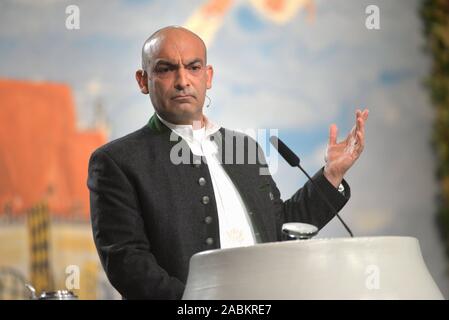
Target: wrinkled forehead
{"points": [[175, 46]]}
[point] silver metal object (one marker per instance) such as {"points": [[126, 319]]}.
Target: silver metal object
{"points": [[51, 295], [58, 295], [32, 291], [300, 231]]}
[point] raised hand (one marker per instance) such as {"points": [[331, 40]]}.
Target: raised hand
{"points": [[342, 155]]}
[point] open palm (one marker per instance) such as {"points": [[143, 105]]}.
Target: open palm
{"points": [[340, 156]]}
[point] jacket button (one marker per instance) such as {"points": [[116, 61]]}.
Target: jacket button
{"points": [[208, 220], [202, 181], [250, 213], [209, 241], [205, 200]]}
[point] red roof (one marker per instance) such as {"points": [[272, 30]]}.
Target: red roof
{"points": [[42, 153]]}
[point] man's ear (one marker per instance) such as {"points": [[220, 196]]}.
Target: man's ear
{"points": [[142, 81], [210, 74]]}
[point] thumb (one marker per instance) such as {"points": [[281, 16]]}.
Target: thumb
{"points": [[333, 131]]}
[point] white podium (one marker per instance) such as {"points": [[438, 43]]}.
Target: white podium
{"points": [[341, 268]]}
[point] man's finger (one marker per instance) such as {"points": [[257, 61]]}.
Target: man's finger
{"points": [[360, 138], [365, 114], [361, 125], [358, 115], [361, 142], [333, 131], [364, 117]]}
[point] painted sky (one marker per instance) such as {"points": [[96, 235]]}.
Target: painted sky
{"points": [[299, 77]]}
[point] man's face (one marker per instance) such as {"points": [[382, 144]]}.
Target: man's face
{"points": [[178, 76]]}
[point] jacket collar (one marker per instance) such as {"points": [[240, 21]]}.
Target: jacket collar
{"points": [[156, 125]]}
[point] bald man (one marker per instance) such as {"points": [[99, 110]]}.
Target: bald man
{"points": [[178, 185]]}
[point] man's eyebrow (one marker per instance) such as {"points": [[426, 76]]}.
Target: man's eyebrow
{"points": [[166, 62], [197, 60], [175, 64]]}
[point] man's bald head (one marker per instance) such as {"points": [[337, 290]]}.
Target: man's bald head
{"points": [[175, 74], [153, 43]]}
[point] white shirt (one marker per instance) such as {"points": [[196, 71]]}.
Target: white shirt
{"points": [[234, 223]]}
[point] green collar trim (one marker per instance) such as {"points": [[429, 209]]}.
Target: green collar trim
{"points": [[156, 125]]}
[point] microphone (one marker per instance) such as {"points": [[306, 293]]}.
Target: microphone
{"points": [[293, 160]]}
